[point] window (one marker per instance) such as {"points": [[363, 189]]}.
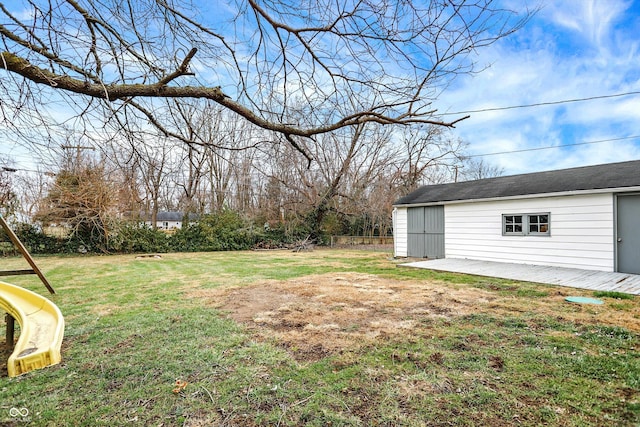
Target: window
{"points": [[526, 224], [539, 224], [512, 224]]}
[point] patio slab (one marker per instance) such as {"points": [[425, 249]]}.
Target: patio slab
{"points": [[570, 277]]}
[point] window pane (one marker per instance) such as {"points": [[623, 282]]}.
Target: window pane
{"points": [[539, 224], [512, 224]]}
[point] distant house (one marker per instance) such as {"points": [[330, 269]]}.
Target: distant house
{"points": [[169, 220], [586, 217]]}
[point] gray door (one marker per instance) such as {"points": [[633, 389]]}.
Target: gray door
{"points": [[628, 234], [425, 226]]}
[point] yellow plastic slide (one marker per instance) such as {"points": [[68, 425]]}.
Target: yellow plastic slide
{"points": [[41, 329]]}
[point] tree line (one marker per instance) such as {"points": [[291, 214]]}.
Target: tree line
{"points": [[96, 193]]}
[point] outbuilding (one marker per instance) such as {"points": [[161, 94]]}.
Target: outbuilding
{"points": [[170, 220], [586, 217]]}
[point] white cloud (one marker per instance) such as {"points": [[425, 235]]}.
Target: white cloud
{"points": [[592, 19], [572, 49]]}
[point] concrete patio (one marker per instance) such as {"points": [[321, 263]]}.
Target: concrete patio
{"points": [[569, 277]]}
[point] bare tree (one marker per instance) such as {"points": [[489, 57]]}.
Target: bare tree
{"points": [[31, 188], [429, 155], [473, 168], [289, 188], [357, 173], [228, 160], [219, 178], [143, 166], [115, 61], [192, 166], [8, 197], [154, 169], [386, 165]]}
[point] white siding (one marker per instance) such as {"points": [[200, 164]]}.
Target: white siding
{"points": [[581, 236], [170, 225], [400, 232]]}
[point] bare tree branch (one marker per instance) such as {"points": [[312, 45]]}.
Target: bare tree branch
{"points": [[388, 61]]}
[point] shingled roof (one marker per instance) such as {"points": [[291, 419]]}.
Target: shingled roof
{"points": [[611, 175], [172, 216]]}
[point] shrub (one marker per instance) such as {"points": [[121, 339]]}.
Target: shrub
{"points": [[39, 243], [222, 231], [226, 230], [136, 237]]}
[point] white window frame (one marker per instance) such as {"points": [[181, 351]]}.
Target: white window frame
{"points": [[527, 221]]}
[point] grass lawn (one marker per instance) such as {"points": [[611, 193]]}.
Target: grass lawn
{"points": [[329, 337]]}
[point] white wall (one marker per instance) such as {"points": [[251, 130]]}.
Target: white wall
{"points": [[400, 232], [582, 232], [172, 225]]}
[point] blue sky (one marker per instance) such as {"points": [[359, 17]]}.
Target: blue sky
{"points": [[572, 49]]}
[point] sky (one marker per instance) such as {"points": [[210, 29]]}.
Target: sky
{"points": [[571, 49]]}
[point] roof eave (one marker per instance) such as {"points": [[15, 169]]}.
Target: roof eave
{"points": [[525, 196]]}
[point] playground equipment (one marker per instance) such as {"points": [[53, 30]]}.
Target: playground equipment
{"points": [[34, 268], [41, 322], [41, 329]]}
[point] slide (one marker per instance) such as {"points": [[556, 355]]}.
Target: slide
{"points": [[41, 329]]}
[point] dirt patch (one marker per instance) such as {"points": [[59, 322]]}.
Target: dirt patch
{"points": [[319, 315], [5, 352]]}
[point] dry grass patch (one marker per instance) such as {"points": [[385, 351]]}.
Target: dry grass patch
{"points": [[319, 315]]}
